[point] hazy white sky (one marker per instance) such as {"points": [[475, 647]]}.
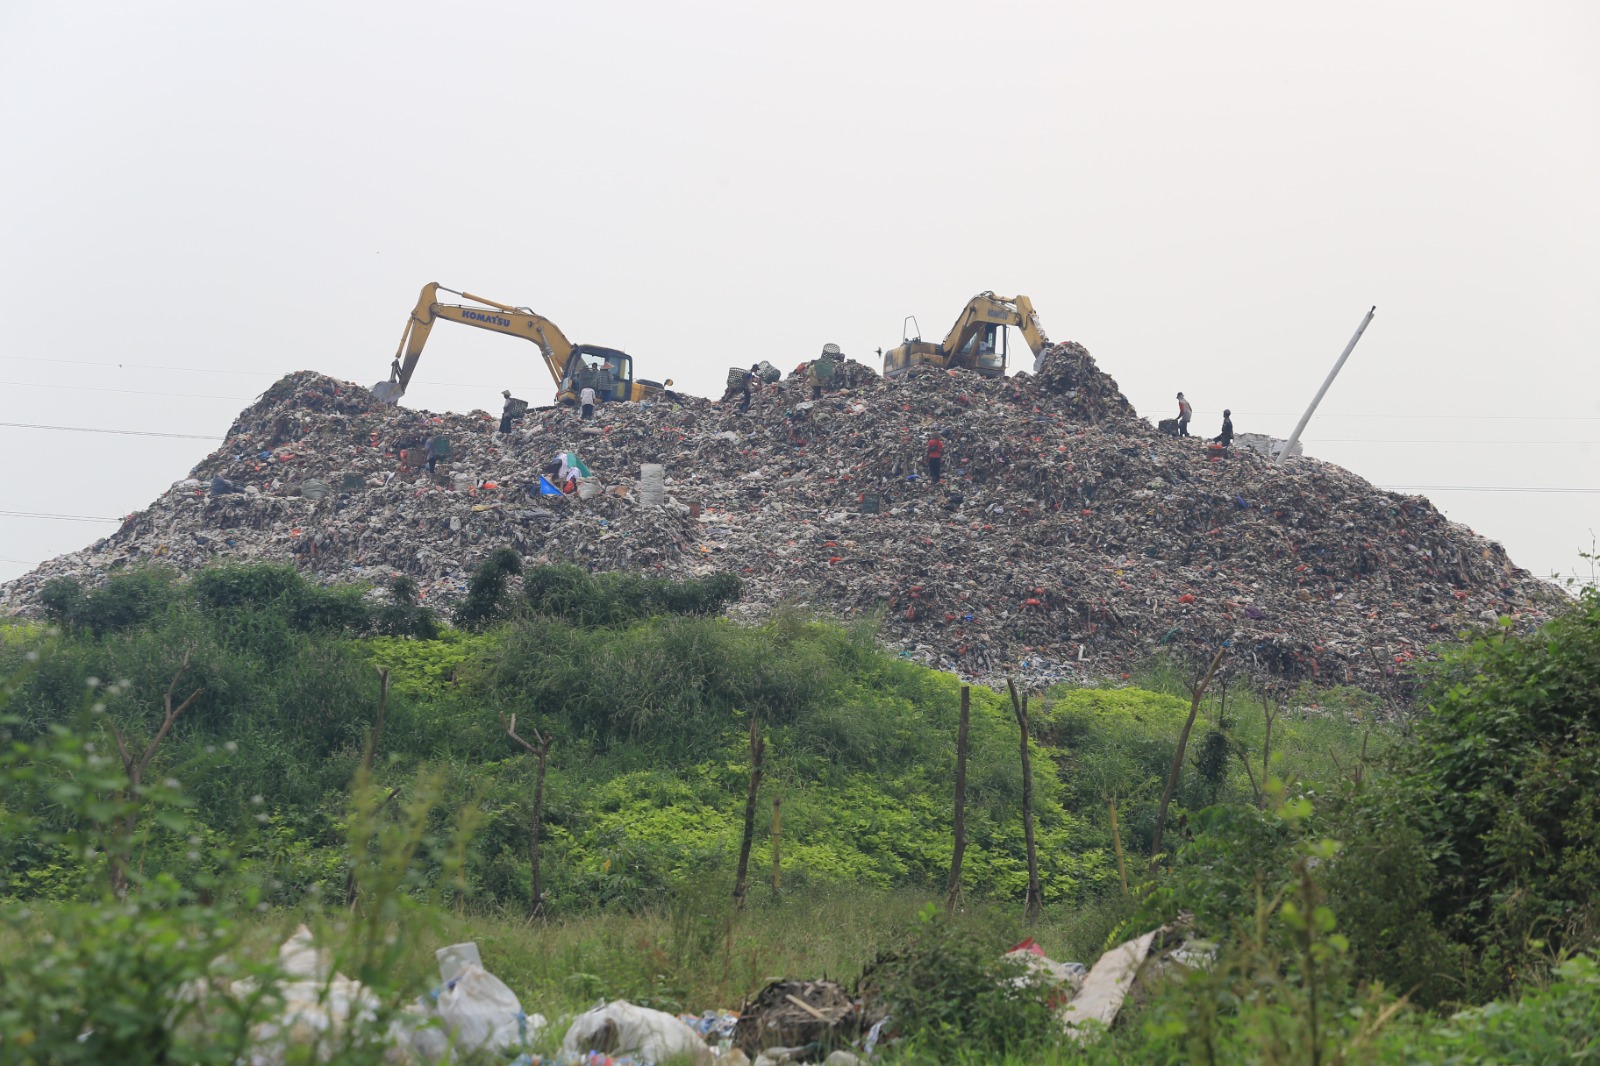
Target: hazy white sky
{"points": [[196, 198]]}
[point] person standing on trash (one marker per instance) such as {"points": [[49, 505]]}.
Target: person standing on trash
{"points": [[935, 455], [1185, 412], [814, 379], [750, 377], [586, 398], [512, 411], [1225, 438], [605, 381]]}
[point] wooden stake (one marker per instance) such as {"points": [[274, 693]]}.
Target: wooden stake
{"points": [[1035, 904], [952, 893], [777, 844], [376, 736], [757, 748], [1116, 840]]}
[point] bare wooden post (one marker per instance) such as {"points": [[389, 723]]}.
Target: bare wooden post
{"points": [[777, 844], [1116, 840], [757, 749], [1035, 903], [540, 749], [952, 893], [135, 768], [1270, 709], [1196, 692], [376, 736]]}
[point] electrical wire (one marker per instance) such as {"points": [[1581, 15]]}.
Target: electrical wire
{"points": [[479, 385], [129, 392], [57, 517], [1486, 440], [1484, 488], [1409, 415], [1317, 440], [133, 366], [122, 432]]}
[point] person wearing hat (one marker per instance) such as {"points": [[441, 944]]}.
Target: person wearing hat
{"points": [[1185, 412], [814, 379], [512, 410], [1225, 438]]}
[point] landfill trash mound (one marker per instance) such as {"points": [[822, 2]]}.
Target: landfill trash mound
{"points": [[1068, 539], [1068, 372]]}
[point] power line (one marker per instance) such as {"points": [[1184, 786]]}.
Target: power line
{"points": [[123, 432], [130, 392], [1481, 440], [1483, 488], [58, 517], [1411, 415], [128, 366]]}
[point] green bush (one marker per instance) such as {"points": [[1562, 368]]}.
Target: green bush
{"points": [[126, 601], [485, 602], [948, 993], [588, 599], [1502, 790]]}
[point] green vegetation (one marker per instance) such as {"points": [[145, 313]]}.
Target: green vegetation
{"points": [[307, 746]]}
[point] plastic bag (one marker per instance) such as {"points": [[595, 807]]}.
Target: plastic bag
{"points": [[622, 1029]]}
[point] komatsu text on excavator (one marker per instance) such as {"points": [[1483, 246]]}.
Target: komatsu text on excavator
{"points": [[976, 342], [574, 367]]}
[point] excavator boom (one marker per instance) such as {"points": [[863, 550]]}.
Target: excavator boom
{"points": [[571, 366]]}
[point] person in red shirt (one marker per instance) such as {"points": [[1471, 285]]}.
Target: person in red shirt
{"points": [[935, 456]]}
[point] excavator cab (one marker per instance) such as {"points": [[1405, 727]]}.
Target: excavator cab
{"points": [[976, 342], [609, 371], [985, 350]]}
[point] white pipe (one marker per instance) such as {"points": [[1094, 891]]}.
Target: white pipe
{"points": [[1294, 438]]}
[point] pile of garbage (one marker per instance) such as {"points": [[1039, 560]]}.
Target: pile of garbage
{"points": [[1067, 540], [315, 1014]]}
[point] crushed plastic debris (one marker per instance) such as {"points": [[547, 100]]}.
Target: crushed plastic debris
{"points": [[1067, 540]]}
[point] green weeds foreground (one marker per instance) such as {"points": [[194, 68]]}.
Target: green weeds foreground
{"points": [[192, 768]]}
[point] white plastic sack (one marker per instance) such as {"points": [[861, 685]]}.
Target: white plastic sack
{"points": [[319, 1006], [621, 1029], [471, 1011], [479, 1012]]}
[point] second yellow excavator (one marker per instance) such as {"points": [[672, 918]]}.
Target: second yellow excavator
{"points": [[976, 342], [609, 371]]}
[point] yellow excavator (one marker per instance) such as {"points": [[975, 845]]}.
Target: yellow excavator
{"points": [[976, 342], [574, 367]]}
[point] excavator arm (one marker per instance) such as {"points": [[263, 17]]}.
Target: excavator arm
{"points": [[572, 366], [498, 317], [988, 309], [972, 343]]}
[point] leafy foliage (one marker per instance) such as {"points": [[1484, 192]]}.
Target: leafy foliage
{"points": [[947, 993], [486, 601], [127, 601], [1502, 796]]}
